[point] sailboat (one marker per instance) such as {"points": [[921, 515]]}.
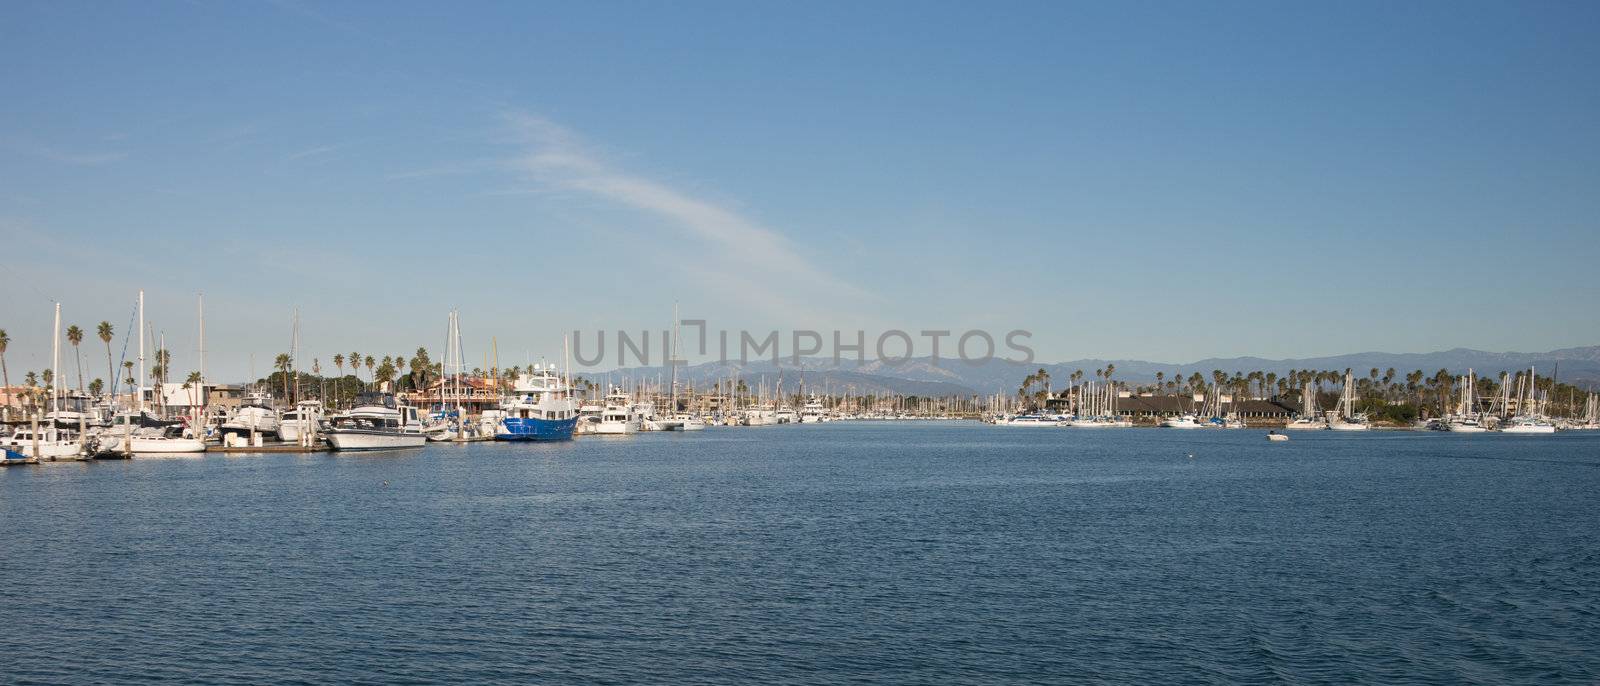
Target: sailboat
{"points": [[1345, 417], [1309, 417], [1530, 418], [1466, 419], [50, 442]]}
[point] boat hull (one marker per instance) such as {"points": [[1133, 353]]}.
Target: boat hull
{"points": [[1349, 426], [354, 440], [143, 445], [518, 429], [615, 428], [1305, 426]]}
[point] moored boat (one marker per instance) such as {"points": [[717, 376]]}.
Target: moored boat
{"points": [[542, 409], [377, 422]]}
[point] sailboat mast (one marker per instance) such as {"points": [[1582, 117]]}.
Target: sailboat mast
{"points": [[138, 382], [673, 359], [202, 307], [55, 362]]}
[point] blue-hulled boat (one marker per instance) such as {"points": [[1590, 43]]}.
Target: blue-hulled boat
{"points": [[542, 409]]}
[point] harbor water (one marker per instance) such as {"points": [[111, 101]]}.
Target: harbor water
{"points": [[914, 552]]}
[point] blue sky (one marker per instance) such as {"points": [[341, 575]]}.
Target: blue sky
{"points": [[1165, 181]]}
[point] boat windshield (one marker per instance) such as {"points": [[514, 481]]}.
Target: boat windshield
{"points": [[378, 399]]}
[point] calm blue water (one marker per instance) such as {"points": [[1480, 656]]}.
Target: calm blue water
{"points": [[909, 553]]}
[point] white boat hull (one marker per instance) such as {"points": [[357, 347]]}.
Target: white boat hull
{"points": [[290, 431], [1542, 429], [1349, 426], [362, 440], [149, 445], [615, 428], [49, 450], [1306, 426]]}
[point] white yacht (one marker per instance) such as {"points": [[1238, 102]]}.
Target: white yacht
{"points": [[1182, 421], [1031, 420], [255, 416], [759, 416], [377, 422], [74, 411], [688, 422], [1528, 424], [813, 412], [52, 443], [617, 417], [303, 421]]}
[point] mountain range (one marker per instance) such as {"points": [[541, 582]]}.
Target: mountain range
{"points": [[927, 377]]}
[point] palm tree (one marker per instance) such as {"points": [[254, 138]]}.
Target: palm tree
{"points": [[282, 363], [385, 373], [75, 337], [355, 364], [338, 361], [127, 366], [5, 341], [370, 364], [421, 365], [105, 331], [96, 386], [400, 366], [192, 384]]}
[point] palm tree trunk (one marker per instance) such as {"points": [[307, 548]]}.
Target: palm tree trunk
{"points": [[77, 352], [6, 373], [111, 368]]}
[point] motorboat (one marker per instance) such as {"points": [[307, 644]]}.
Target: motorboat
{"points": [[254, 417], [1031, 420], [541, 409], [617, 417], [813, 412], [49, 443], [1182, 421], [377, 422], [689, 422], [301, 422]]}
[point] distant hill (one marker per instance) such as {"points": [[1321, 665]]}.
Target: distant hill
{"points": [[921, 376]]}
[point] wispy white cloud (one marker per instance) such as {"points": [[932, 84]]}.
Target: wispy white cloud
{"points": [[310, 152], [452, 169], [46, 152], [755, 263]]}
